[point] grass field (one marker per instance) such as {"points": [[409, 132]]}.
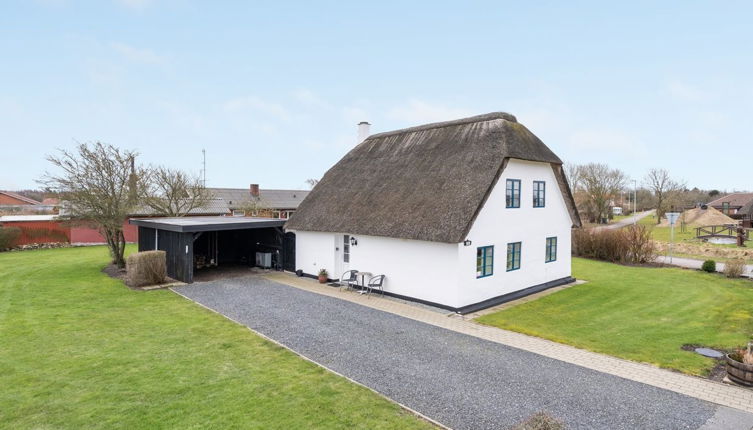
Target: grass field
{"points": [[641, 314], [80, 350]]}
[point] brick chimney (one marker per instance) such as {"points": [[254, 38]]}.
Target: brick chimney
{"points": [[254, 189]]}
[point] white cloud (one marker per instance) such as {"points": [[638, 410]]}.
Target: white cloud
{"points": [[601, 142], [257, 104], [684, 92], [136, 55], [309, 98], [135, 4], [419, 112]]}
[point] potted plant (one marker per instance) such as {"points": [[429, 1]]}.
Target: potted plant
{"points": [[740, 366], [323, 276]]}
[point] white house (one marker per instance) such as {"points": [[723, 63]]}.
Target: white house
{"points": [[463, 214]]}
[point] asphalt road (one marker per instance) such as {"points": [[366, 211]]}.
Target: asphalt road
{"points": [[459, 380]]}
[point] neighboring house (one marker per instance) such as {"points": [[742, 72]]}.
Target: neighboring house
{"points": [[731, 203], [745, 214], [463, 214], [258, 202], [17, 204], [10, 198]]}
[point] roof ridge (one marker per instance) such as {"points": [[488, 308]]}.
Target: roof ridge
{"points": [[471, 119]]}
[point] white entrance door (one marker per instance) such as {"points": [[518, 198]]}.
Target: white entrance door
{"points": [[342, 255]]}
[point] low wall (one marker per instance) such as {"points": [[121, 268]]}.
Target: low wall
{"points": [[65, 231]]}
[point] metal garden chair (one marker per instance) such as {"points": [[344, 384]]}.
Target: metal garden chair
{"points": [[376, 283], [348, 279]]}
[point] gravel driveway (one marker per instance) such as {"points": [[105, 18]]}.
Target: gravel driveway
{"points": [[456, 379]]}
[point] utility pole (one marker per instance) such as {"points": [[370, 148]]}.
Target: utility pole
{"points": [[635, 201], [204, 168]]}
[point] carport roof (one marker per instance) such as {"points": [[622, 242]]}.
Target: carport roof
{"points": [[207, 223]]}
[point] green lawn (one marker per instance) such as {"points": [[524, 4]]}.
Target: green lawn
{"points": [[642, 314], [80, 350]]}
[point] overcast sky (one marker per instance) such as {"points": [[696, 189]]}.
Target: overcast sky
{"points": [[274, 92]]}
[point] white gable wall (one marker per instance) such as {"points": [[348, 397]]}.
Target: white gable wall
{"points": [[498, 225]]}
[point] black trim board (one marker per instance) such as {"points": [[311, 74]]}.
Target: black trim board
{"points": [[235, 224], [488, 303]]}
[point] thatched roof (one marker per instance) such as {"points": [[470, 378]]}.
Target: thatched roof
{"points": [[747, 209], [424, 183]]}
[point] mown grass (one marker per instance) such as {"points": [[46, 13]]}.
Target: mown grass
{"points": [[80, 350], [641, 314]]}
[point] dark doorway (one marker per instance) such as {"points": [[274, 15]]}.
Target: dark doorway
{"points": [[288, 252]]}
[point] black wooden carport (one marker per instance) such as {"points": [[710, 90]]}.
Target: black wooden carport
{"points": [[215, 241]]}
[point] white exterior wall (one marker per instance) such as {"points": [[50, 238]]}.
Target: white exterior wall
{"points": [[315, 251], [498, 225], [418, 269], [446, 273]]}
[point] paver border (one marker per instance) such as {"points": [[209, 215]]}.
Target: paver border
{"points": [[703, 389]]}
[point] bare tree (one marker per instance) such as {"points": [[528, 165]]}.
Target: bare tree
{"points": [[101, 184], [665, 189], [312, 182], [174, 192], [572, 173], [598, 185]]}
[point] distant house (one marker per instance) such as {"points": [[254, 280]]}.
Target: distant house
{"points": [[731, 203], [16, 204], [10, 198], [254, 201], [462, 215], [745, 214]]}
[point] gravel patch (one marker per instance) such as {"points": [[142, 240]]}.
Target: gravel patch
{"points": [[456, 379]]}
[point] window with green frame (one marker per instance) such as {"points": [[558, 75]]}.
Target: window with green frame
{"points": [[484, 261], [512, 193], [513, 256], [551, 249], [539, 194]]}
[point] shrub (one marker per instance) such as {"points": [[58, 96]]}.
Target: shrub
{"points": [[146, 268], [630, 245], [734, 268], [709, 266], [540, 421], [8, 236]]}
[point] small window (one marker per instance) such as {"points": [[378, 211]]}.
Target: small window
{"points": [[484, 261], [346, 248], [539, 194], [239, 213], [513, 193], [513, 256], [551, 249], [725, 208]]}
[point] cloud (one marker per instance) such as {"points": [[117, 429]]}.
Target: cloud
{"points": [[257, 104], [600, 142], [135, 4], [309, 98], [136, 55], [418, 112], [684, 92]]}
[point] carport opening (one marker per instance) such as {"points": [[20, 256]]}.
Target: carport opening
{"points": [[232, 253], [205, 248]]}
